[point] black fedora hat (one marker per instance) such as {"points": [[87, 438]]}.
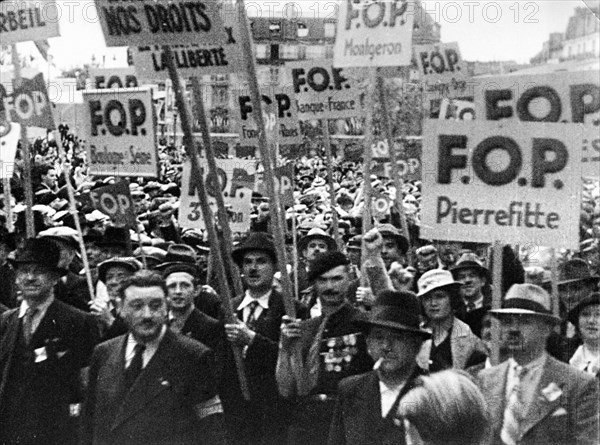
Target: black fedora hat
{"points": [[175, 267], [255, 241], [397, 310], [178, 253], [129, 263], [590, 300], [114, 236], [470, 260], [39, 251], [575, 271]]}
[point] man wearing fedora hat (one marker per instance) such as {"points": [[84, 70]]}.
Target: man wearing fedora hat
{"points": [[44, 345], [367, 403], [533, 398], [264, 418], [8, 295], [470, 272], [316, 354]]}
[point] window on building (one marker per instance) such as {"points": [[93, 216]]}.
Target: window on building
{"points": [[275, 51], [314, 52], [261, 51], [275, 29], [274, 75], [220, 94], [329, 30], [302, 30], [289, 52]]}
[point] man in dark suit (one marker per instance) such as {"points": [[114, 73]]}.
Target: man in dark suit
{"points": [[8, 292], [44, 344], [151, 386], [367, 403], [264, 418], [533, 398], [185, 319]]}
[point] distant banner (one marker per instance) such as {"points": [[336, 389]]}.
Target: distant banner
{"points": [[28, 20], [374, 33], [440, 62], [28, 104], [121, 132], [160, 22], [113, 78], [115, 201], [10, 133], [408, 157]]}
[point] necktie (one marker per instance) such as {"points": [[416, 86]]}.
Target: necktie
{"points": [[136, 365], [28, 324], [513, 413], [252, 314]]}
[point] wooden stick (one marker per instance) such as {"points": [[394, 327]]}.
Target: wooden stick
{"points": [[29, 226], [142, 253], [212, 167], [10, 225], [207, 214], [389, 134], [367, 222], [334, 215], [496, 300], [554, 278], [265, 147], [295, 252]]}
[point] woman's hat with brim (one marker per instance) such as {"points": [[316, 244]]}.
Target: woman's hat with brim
{"points": [[40, 251], [129, 263], [527, 299], [399, 311], [260, 241], [437, 279], [590, 300], [317, 233]]}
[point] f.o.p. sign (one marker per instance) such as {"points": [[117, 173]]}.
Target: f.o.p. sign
{"points": [[513, 182], [374, 33], [121, 131]]}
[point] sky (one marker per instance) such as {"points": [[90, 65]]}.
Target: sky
{"points": [[485, 30]]}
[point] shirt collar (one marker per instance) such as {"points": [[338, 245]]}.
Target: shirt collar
{"points": [[384, 389], [185, 316], [263, 300], [131, 341], [477, 304], [42, 308]]}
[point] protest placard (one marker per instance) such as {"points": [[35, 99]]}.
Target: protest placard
{"points": [[408, 159], [160, 22], [591, 153], [121, 132], [284, 183], [279, 114], [513, 182], [25, 20], [555, 97], [193, 60], [236, 179], [10, 134], [28, 103], [440, 62], [115, 201], [113, 78], [374, 33], [324, 92]]}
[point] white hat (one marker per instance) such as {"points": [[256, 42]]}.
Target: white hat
{"points": [[436, 279]]}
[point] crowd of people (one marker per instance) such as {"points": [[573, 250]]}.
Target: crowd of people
{"points": [[394, 339]]}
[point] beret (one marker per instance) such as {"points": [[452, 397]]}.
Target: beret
{"points": [[325, 262]]}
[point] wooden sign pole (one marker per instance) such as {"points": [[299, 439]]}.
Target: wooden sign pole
{"points": [[207, 214], [389, 134], [554, 278], [367, 222], [265, 148], [29, 227], [496, 300], [212, 167], [334, 215], [10, 225]]}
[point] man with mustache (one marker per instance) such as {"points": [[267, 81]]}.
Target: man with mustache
{"points": [[151, 386], [533, 398], [316, 354], [367, 403], [264, 418]]}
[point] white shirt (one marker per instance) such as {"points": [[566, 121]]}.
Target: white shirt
{"points": [[388, 397], [39, 315], [478, 304], [586, 360], [263, 304], [149, 352]]}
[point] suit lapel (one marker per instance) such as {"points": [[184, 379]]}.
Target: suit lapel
{"points": [[150, 382], [366, 410], [495, 389], [540, 407], [7, 346]]}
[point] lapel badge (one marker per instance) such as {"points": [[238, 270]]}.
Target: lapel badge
{"points": [[551, 392]]}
